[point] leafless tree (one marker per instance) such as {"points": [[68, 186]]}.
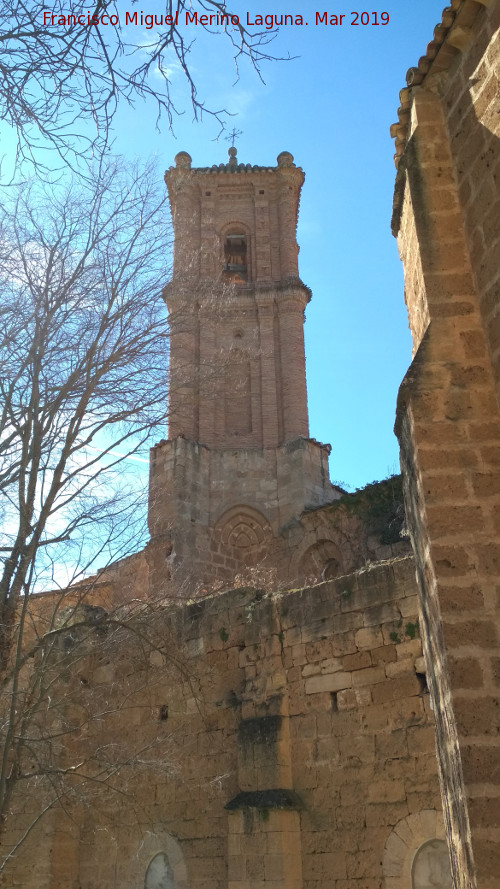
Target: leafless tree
{"points": [[82, 675], [65, 68], [83, 343], [83, 386]]}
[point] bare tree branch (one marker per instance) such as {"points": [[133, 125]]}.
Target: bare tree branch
{"points": [[83, 383], [83, 342], [65, 70]]}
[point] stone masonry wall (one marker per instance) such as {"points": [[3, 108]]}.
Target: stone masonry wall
{"points": [[299, 743], [471, 102], [448, 420], [221, 511], [269, 516]]}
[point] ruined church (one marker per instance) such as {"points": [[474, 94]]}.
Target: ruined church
{"points": [[333, 719]]}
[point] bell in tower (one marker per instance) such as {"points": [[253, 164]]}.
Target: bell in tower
{"points": [[235, 257]]}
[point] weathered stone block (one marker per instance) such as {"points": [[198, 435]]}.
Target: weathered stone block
{"points": [[370, 676], [394, 689], [329, 682], [368, 638]]}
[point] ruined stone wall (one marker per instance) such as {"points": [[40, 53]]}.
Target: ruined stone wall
{"points": [[447, 198], [223, 511], [297, 748], [265, 516]]}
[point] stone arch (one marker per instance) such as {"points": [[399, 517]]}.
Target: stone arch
{"points": [[411, 851], [321, 561], [244, 532], [163, 862]]}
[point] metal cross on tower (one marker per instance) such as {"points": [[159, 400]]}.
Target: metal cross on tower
{"points": [[233, 135]]}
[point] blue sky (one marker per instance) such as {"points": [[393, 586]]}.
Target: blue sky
{"points": [[331, 106]]}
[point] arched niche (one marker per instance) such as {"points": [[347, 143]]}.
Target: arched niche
{"points": [[431, 866], [245, 532], [321, 561], [163, 865], [416, 854], [160, 874]]}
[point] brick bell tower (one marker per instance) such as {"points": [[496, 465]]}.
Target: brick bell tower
{"points": [[238, 466]]}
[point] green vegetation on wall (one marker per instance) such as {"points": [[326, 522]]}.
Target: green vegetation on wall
{"points": [[380, 506]]}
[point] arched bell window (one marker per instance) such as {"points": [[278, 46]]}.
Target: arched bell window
{"points": [[235, 256]]}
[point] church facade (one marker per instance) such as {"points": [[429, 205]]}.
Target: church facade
{"points": [[288, 717]]}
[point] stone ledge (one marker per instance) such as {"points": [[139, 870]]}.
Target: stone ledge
{"points": [[265, 799]]}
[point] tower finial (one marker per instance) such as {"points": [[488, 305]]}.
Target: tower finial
{"points": [[231, 137]]}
